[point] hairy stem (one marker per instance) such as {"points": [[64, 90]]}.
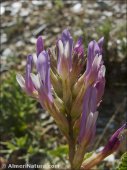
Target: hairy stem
{"points": [[92, 161], [71, 142], [78, 158]]}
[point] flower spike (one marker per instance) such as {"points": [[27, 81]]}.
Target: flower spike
{"points": [[65, 45], [112, 145], [70, 94], [114, 141]]}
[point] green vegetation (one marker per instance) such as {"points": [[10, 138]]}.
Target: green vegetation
{"points": [[17, 109], [123, 162]]}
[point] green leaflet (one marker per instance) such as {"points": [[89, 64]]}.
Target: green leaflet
{"points": [[88, 155], [123, 163]]}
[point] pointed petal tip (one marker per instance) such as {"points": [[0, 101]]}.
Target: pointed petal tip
{"points": [[66, 35], [91, 43], [78, 43], [39, 37], [39, 45], [39, 40], [102, 38], [60, 46], [36, 81], [100, 43], [29, 59], [114, 141], [20, 80], [30, 56], [66, 30]]}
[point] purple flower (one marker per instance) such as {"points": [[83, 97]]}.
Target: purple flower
{"points": [[37, 85], [41, 81], [100, 44], [113, 144], [114, 141], [94, 61], [26, 83], [100, 83], [79, 49], [65, 45], [39, 45], [89, 115], [92, 99]]}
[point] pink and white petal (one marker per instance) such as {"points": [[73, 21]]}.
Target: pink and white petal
{"points": [[36, 81], [89, 122], [61, 49], [35, 59], [21, 81], [67, 50], [95, 115]]}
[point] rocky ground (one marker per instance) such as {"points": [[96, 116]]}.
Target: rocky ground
{"points": [[22, 21]]}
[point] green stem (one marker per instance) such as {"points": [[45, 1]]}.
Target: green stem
{"points": [[92, 161], [79, 155], [71, 153], [71, 142]]}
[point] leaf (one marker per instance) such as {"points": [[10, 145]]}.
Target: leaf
{"points": [[88, 154], [10, 146], [123, 163], [59, 151], [20, 142], [30, 150]]}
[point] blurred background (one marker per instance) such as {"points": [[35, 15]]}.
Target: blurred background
{"points": [[28, 133]]}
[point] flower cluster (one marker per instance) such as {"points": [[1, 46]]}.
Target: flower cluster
{"points": [[70, 88]]}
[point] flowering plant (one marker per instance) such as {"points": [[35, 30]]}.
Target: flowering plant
{"points": [[70, 94]]}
